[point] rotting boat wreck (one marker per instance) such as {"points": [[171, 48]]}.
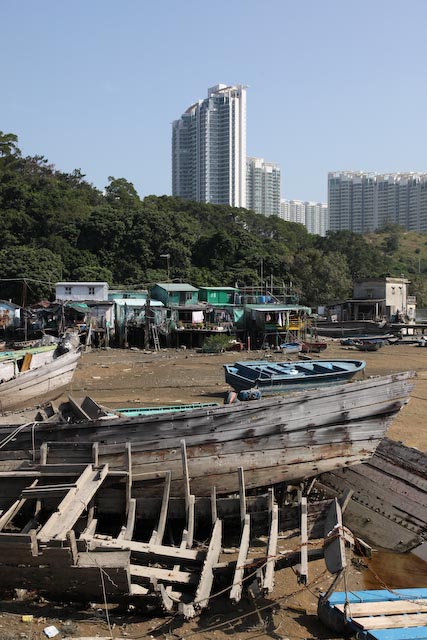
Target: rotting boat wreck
{"points": [[275, 440]]}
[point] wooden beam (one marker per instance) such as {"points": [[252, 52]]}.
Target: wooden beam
{"points": [[242, 495], [201, 599], [334, 539], [127, 532], [165, 575], [129, 475], [73, 504], [159, 532], [268, 579], [389, 607], [185, 474], [214, 511], [239, 572], [303, 571], [144, 548], [392, 622]]}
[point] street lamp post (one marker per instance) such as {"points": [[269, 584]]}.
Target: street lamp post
{"points": [[167, 256]]}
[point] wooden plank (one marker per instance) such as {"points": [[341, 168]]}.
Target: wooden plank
{"points": [[190, 521], [127, 532], [74, 503], [158, 533], [242, 495], [392, 622], [111, 559], [26, 363], [214, 510], [129, 475], [268, 579], [393, 607], [164, 575], [334, 542], [237, 584], [201, 599], [185, 474], [144, 548], [303, 571]]}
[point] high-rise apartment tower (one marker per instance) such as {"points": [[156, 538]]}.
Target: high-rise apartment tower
{"points": [[263, 184], [209, 148], [363, 202], [313, 215]]}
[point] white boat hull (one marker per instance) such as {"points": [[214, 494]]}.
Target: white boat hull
{"points": [[42, 381]]}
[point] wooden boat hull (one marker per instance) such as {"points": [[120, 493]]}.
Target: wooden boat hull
{"points": [[277, 439], [389, 502], [367, 346], [51, 375], [313, 347]]}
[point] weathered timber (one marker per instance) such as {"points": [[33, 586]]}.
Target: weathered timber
{"points": [[334, 541], [201, 599], [74, 503], [286, 438], [303, 567], [389, 500], [268, 579], [237, 584]]}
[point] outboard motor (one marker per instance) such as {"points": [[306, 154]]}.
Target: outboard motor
{"points": [[250, 394]]}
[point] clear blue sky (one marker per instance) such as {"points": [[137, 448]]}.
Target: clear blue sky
{"points": [[333, 84]]}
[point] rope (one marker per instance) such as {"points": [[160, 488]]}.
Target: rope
{"points": [[104, 593], [18, 430]]}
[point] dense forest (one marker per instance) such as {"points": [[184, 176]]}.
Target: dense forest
{"points": [[57, 226]]}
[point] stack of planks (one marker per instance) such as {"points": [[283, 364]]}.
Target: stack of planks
{"points": [[400, 614]]}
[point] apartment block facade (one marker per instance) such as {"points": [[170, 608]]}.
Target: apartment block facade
{"points": [[263, 186], [363, 202], [313, 215], [209, 148]]}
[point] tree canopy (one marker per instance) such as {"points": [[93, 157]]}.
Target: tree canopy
{"points": [[56, 225]]}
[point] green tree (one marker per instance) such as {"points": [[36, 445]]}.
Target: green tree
{"points": [[39, 267]]}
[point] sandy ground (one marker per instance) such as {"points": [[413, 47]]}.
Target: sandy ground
{"points": [[131, 378]]}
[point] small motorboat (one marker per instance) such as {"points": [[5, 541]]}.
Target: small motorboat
{"points": [[290, 347], [279, 377]]}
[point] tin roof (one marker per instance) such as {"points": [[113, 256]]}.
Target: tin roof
{"points": [[176, 286]]}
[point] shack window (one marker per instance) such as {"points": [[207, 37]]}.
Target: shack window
{"points": [[91, 291], [67, 291]]}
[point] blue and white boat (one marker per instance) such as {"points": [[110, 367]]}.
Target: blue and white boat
{"points": [[279, 377], [399, 614]]}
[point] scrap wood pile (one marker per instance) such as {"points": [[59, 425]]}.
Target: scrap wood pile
{"points": [[63, 535]]}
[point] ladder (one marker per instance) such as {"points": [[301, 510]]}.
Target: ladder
{"points": [[155, 335]]}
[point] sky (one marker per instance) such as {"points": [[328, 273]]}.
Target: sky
{"points": [[332, 84]]}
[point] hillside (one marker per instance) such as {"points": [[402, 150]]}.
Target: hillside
{"points": [[57, 226]]}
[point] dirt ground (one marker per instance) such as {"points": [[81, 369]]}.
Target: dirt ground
{"points": [[119, 378]]}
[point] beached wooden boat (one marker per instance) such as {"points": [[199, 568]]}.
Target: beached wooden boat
{"points": [[387, 338], [280, 377], [274, 440], [315, 346], [389, 496], [367, 346], [35, 374]]}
